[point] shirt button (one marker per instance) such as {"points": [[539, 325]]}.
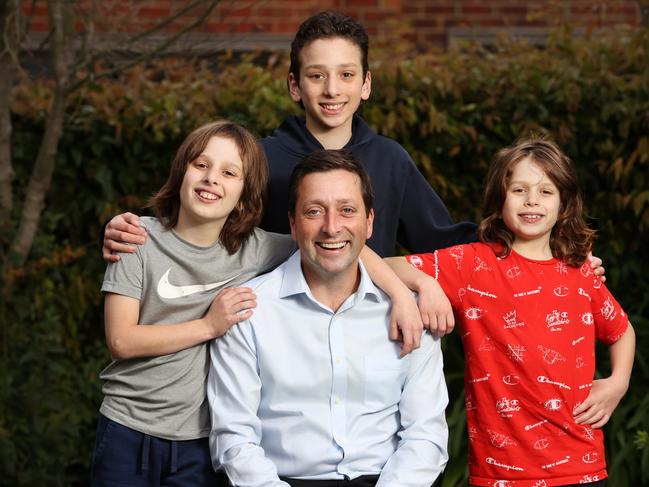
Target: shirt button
{"points": [[337, 400]]}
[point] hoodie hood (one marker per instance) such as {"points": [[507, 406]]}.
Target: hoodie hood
{"points": [[296, 140]]}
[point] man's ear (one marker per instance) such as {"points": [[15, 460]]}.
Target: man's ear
{"points": [[370, 222], [367, 86], [293, 88], [291, 222]]}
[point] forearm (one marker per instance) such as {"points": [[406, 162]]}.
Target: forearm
{"points": [[234, 396], [383, 275], [622, 354], [421, 453], [412, 277], [401, 471], [156, 340]]}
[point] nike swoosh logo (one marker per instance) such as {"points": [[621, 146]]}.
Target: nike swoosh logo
{"points": [[167, 290]]}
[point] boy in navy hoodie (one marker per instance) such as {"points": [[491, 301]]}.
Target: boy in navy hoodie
{"points": [[329, 76]]}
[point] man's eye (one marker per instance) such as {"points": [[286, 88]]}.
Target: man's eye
{"points": [[316, 76], [348, 74], [348, 211]]}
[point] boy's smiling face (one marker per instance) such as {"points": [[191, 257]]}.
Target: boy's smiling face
{"points": [[331, 84]]}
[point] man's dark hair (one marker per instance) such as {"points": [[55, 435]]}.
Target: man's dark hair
{"points": [[325, 161], [328, 25]]}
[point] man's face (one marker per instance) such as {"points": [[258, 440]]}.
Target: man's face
{"points": [[331, 84], [330, 225]]}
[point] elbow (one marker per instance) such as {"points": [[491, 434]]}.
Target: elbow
{"points": [[119, 349]]}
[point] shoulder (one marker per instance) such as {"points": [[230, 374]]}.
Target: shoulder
{"points": [[262, 237], [389, 148], [267, 245], [152, 224], [267, 285]]}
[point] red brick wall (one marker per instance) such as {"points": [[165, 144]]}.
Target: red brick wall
{"points": [[429, 23]]}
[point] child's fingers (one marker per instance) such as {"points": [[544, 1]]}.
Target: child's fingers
{"points": [[233, 295], [447, 323], [425, 317], [410, 341], [433, 323], [242, 315], [590, 417], [581, 408], [395, 335], [601, 422]]}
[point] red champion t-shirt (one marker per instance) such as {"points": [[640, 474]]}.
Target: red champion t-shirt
{"points": [[528, 329]]}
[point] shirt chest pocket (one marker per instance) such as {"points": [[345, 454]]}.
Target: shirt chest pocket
{"points": [[384, 377]]}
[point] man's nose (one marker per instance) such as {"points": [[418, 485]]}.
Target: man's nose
{"points": [[331, 224]]}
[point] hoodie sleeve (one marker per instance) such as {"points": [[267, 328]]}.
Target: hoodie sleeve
{"points": [[425, 224]]}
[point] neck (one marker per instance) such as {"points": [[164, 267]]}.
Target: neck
{"points": [[202, 234], [332, 290], [331, 139], [533, 249]]}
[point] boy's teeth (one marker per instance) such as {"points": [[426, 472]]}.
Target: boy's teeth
{"points": [[332, 245], [206, 195], [333, 107]]}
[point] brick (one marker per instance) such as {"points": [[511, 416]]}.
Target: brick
{"points": [[513, 10], [360, 3], [473, 8], [244, 27], [421, 23], [439, 9]]}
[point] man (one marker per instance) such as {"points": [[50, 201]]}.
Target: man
{"points": [[310, 391]]}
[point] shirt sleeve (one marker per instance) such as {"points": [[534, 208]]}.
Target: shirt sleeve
{"points": [[608, 316], [451, 267], [421, 453], [126, 276], [233, 392], [424, 222]]}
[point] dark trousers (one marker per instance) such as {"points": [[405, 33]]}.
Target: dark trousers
{"points": [[363, 481], [127, 458]]}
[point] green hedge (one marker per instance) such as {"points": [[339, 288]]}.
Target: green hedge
{"points": [[451, 112]]}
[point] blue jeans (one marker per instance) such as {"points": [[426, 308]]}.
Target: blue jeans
{"points": [[127, 458]]}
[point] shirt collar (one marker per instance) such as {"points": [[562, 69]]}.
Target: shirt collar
{"points": [[294, 282]]}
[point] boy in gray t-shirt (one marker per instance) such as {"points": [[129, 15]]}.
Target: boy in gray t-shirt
{"points": [[176, 281], [165, 301]]}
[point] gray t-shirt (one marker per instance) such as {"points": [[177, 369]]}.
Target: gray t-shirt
{"points": [[176, 281]]}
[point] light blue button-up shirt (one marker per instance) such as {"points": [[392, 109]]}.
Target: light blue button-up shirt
{"points": [[301, 391]]}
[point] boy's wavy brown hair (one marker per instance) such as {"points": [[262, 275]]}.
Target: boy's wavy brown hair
{"points": [[571, 240], [248, 211]]}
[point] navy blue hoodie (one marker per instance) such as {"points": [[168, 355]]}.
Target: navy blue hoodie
{"points": [[406, 209]]}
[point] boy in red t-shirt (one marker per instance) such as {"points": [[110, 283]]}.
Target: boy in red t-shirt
{"points": [[529, 310]]}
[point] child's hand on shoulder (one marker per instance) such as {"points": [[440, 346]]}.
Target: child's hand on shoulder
{"points": [[230, 306], [435, 308], [405, 323], [598, 407], [596, 266]]}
